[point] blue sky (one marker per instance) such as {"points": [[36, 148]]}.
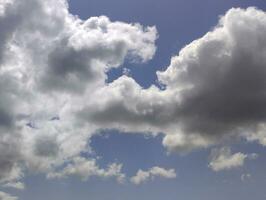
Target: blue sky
{"points": [[178, 23]]}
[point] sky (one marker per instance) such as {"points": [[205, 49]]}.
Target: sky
{"points": [[126, 100]]}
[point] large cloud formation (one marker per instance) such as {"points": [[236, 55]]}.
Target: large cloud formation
{"points": [[50, 62], [54, 95], [214, 89]]}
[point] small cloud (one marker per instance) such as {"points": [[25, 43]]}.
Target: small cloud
{"points": [[144, 176], [17, 185], [253, 156], [245, 177], [126, 71], [224, 159], [86, 168]]}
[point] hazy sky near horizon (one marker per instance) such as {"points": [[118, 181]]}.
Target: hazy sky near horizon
{"points": [[126, 100]]}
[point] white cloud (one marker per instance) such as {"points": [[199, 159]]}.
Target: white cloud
{"points": [[214, 89], [90, 48], [54, 97], [50, 63], [259, 135], [185, 143], [6, 196], [85, 169], [224, 159], [4, 4], [126, 71], [144, 176], [17, 185]]}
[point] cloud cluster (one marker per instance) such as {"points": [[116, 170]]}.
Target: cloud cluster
{"points": [[50, 63], [144, 176], [214, 89], [85, 169], [54, 95]]}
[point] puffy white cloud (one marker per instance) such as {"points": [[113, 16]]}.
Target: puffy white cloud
{"points": [[259, 135], [214, 89], [6, 196], [186, 143], [85, 52], [54, 97], [144, 176], [223, 159], [50, 63]]}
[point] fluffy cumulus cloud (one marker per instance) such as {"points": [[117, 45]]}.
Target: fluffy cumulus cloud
{"points": [[144, 176], [214, 89], [98, 45], [224, 159], [50, 63], [54, 95]]}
